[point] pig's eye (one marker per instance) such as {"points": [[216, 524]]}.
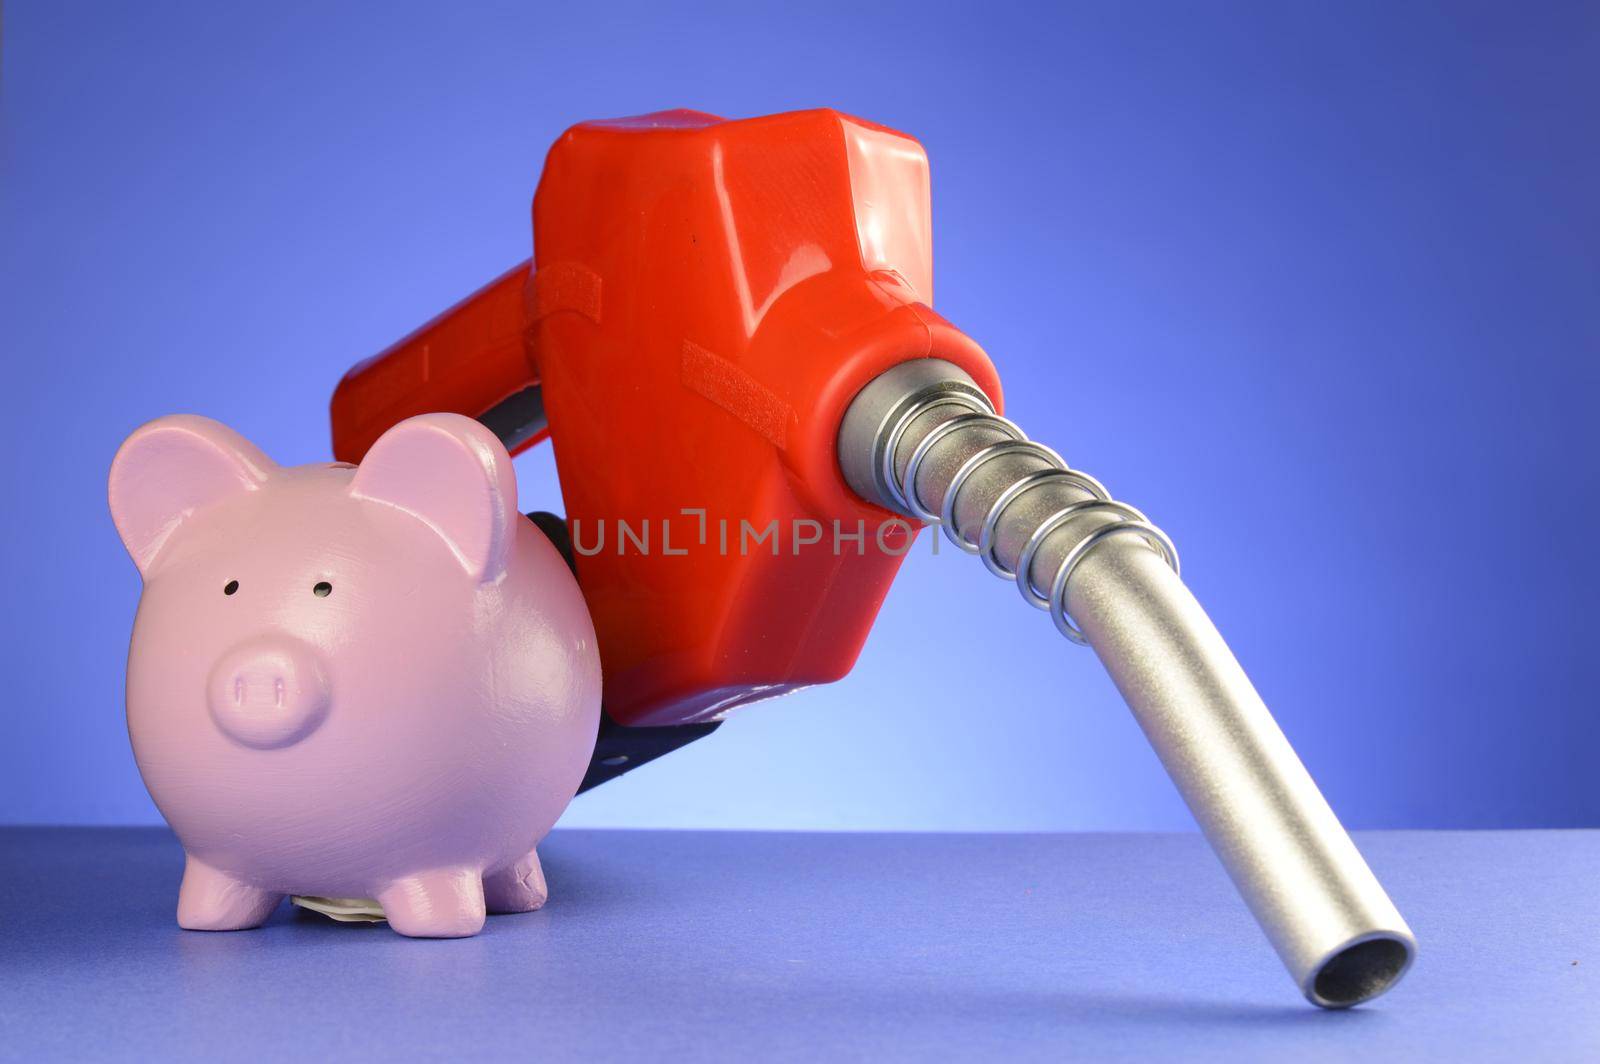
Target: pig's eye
{"points": [[230, 587], [323, 589]]}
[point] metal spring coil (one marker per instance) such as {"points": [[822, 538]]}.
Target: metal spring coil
{"points": [[978, 415]]}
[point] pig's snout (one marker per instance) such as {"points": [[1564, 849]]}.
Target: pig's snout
{"points": [[268, 692]]}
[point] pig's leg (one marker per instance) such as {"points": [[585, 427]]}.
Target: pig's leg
{"points": [[447, 903], [518, 888], [210, 900]]}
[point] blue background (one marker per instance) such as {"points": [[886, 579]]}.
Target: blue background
{"points": [[1318, 288]]}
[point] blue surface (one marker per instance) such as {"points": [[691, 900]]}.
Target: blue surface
{"points": [[1315, 285], [775, 946]]}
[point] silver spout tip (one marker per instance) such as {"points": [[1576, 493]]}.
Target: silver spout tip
{"points": [[1360, 970]]}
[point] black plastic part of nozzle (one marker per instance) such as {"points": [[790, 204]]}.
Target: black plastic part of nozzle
{"points": [[620, 749]]}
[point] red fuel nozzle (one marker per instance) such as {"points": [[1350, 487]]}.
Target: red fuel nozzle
{"points": [[728, 336], [708, 298]]}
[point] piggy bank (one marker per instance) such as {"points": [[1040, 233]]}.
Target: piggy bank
{"points": [[375, 682]]}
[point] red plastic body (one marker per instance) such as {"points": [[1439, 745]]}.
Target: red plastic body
{"points": [[709, 296]]}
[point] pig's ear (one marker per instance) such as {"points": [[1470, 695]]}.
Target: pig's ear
{"points": [[452, 474], [171, 467]]}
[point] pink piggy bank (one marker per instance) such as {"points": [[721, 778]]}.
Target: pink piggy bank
{"points": [[374, 682]]}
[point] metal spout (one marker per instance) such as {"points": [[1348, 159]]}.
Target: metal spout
{"points": [[922, 439]]}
